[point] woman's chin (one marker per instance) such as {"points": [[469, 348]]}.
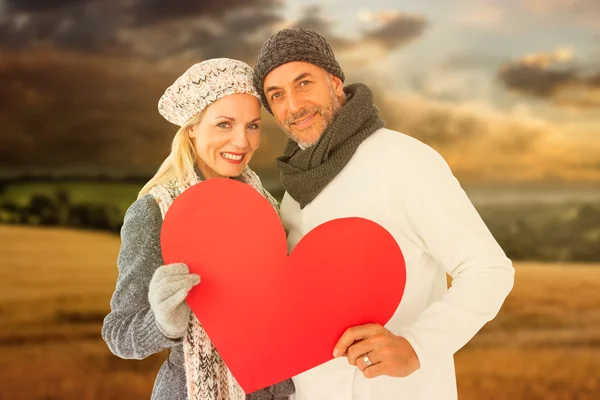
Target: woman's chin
{"points": [[231, 171]]}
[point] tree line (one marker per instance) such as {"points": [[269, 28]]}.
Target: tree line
{"points": [[566, 233]]}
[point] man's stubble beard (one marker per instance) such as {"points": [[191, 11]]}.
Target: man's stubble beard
{"points": [[328, 115]]}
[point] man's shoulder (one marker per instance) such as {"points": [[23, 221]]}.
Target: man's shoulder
{"points": [[400, 145]]}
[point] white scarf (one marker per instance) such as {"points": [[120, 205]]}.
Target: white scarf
{"points": [[207, 376]]}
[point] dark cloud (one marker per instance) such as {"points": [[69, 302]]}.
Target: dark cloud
{"points": [[313, 19], [63, 111], [98, 26], [397, 31], [250, 21], [539, 76], [60, 109], [533, 80], [39, 5], [71, 112], [82, 25], [393, 30], [239, 36], [152, 11]]}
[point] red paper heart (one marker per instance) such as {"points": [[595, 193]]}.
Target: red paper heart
{"points": [[271, 316]]}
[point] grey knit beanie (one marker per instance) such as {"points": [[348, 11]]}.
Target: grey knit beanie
{"points": [[289, 45]]}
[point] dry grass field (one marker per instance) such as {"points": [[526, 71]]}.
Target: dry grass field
{"points": [[55, 287]]}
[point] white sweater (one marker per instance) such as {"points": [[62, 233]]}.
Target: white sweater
{"points": [[407, 187]]}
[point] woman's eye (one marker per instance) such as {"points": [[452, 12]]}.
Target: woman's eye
{"points": [[224, 125], [253, 126]]}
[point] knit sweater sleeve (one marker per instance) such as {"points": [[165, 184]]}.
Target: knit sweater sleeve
{"points": [[130, 330], [442, 221]]}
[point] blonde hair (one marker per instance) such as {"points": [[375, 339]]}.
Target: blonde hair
{"points": [[180, 163]]}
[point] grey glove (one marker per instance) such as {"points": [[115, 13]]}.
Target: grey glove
{"points": [[169, 287]]}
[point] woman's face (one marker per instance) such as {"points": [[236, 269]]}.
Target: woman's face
{"points": [[227, 136]]}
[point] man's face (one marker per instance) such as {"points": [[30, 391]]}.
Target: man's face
{"points": [[304, 98]]}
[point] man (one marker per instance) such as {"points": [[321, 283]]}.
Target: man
{"points": [[342, 162]]}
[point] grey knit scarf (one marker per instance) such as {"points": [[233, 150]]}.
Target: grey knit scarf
{"points": [[304, 173]]}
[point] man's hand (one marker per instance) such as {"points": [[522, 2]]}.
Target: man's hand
{"points": [[389, 354]]}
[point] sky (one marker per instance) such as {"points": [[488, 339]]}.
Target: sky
{"points": [[507, 91]]}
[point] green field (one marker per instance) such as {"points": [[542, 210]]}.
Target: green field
{"points": [[565, 231], [114, 193]]}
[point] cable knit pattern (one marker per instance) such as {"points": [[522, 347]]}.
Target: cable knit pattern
{"points": [[202, 84], [207, 376]]}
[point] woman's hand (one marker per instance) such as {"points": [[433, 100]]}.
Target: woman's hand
{"points": [[169, 287]]}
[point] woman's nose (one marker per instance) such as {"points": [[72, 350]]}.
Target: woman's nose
{"points": [[240, 137]]}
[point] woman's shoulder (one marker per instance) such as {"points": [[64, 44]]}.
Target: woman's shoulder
{"points": [[143, 212]]}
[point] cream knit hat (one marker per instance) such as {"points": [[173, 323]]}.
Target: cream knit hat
{"points": [[202, 84]]}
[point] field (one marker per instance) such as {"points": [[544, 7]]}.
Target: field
{"points": [[115, 193], [55, 286]]}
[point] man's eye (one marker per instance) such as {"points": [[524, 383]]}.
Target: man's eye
{"points": [[304, 83], [275, 96]]}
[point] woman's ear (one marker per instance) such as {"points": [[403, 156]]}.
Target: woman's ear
{"points": [[192, 131]]}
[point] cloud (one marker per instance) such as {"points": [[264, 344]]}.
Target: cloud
{"points": [[312, 18], [80, 25], [153, 11], [68, 110], [62, 110], [133, 27], [484, 145], [394, 29], [387, 30], [470, 61], [580, 7], [586, 13], [482, 17], [540, 75], [39, 5]]}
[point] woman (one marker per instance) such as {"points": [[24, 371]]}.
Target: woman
{"points": [[218, 111]]}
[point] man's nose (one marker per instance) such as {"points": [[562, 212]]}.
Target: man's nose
{"points": [[295, 103]]}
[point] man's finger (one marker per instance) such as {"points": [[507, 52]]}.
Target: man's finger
{"points": [[358, 350], [353, 334], [362, 364], [375, 370]]}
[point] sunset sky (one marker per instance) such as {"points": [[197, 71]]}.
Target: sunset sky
{"points": [[507, 91]]}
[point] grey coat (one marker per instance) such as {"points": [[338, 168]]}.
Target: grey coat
{"points": [[130, 330]]}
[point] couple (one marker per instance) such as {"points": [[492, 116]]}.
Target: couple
{"points": [[340, 162]]}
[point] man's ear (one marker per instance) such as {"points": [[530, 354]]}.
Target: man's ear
{"points": [[337, 85]]}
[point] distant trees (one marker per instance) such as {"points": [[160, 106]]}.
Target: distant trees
{"points": [[564, 233], [556, 233], [59, 210]]}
